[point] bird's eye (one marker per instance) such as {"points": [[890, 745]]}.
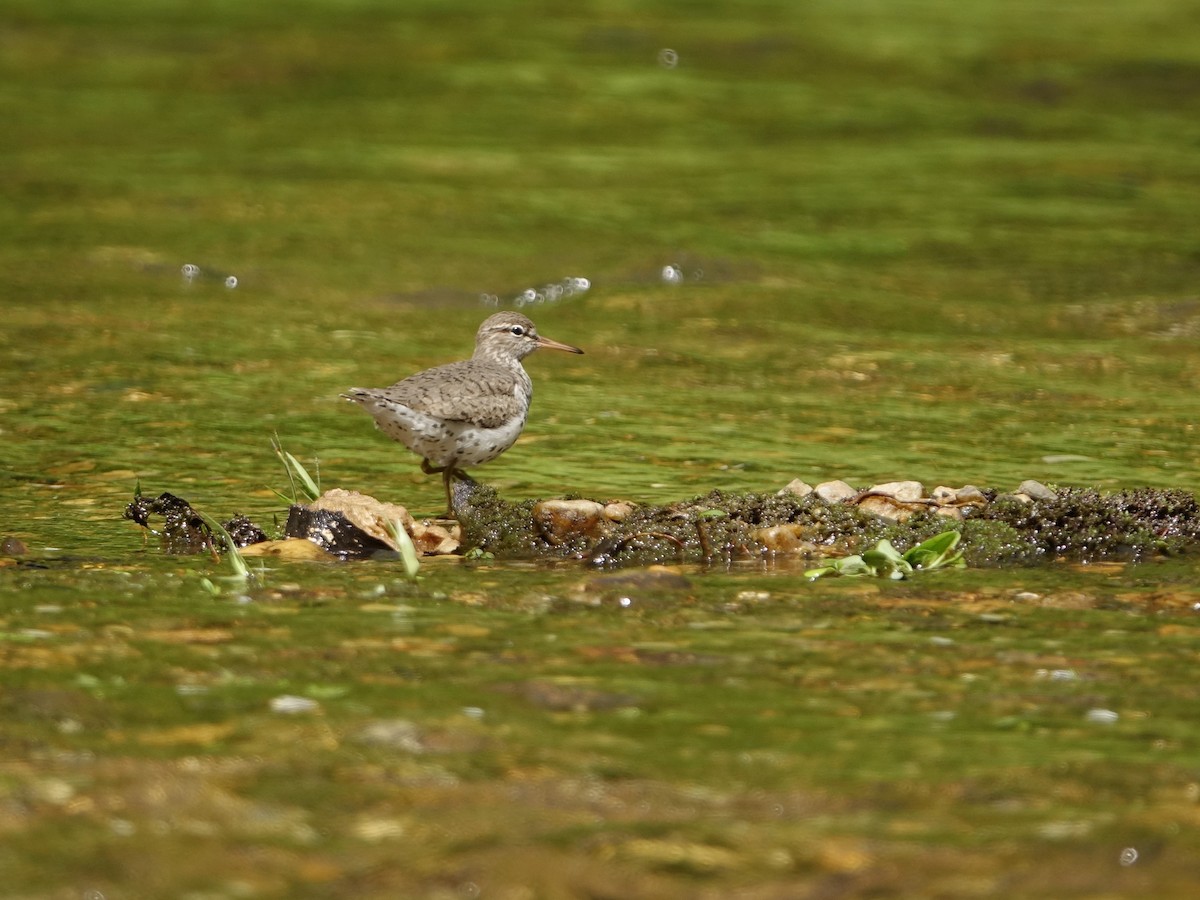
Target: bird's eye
{"points": [[518, 330]]}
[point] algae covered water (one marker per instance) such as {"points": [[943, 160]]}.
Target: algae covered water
{"points": [[948, 242]]}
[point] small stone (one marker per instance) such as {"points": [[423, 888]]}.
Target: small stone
{"points": [[943, 495], [834, 491], [1035, 490], [12, 546], [906, 491], [949, 512], [969, 495], [789, 538], [886, 507], [399, 734], [559, 519], [291, 705], [797, 488], [618, 511]]}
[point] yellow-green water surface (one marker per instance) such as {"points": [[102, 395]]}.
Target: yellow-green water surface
{"points": [[955, 242]]}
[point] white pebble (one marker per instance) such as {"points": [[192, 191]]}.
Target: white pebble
{"points": [[290, 705]]}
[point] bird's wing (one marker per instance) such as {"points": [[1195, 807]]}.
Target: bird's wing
{"points": [[455, 392]]}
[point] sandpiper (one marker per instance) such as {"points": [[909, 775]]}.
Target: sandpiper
{"points": [[463, 413]]}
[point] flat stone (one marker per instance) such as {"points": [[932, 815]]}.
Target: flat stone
{"points": [[1035, 490], [969, 495], [797, 488], [901, 490], [834, 491], [886, 507]]}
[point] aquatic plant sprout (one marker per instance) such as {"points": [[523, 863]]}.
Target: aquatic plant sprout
{"points": [[884, 560]]}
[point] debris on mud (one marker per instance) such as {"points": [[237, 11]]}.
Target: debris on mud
{"points": [[1030, 525]]}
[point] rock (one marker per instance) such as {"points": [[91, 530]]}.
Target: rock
{"points": [[1035, 490], [835, 491], [789, 538], [561, 519], [944, 496], [887, 507], [905, 491], [969, 495], [351, 524], [618, 511], [796, 488], [397, 734], [950, 501], [12, 546]]}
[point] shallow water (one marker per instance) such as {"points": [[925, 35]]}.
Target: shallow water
{"points": [[946, 243]]}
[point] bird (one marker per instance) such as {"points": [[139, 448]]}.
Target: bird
{"points": [[463, 413]]}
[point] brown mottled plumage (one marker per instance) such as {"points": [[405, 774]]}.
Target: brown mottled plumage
{"points": [[463, 413]]}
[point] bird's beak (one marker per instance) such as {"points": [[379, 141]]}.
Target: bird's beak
{"points": [[547, 344]]}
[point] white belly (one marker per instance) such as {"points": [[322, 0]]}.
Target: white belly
{"points": [[458, 444]]}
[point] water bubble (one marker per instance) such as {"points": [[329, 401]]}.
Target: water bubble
{"points": [[582, 284], [231, 282], [1128, 856], [473, 712], [626, 602], [668, 58], [189, 272], [529, 295], [1102, 716], [672, 274]]}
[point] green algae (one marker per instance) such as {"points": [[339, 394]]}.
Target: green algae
{"points": [[951, 242]]}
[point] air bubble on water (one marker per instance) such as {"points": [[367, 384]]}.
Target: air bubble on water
{"points": [[626, 602], [668, 58], [231, 282], [1102, 716], [189, 272], [551, 292], [672, 274], [1128, 856]]}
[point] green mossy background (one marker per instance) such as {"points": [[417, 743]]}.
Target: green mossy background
{"points": [[956, 242]]}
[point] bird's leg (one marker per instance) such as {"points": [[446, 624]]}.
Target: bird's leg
{"points": [[431, 470], [447, 474]]}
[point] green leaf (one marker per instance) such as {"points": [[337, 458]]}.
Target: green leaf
{"points": [[408, 553]]}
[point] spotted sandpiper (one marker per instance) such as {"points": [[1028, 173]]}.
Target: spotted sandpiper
{"points": [[463, 413]]}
